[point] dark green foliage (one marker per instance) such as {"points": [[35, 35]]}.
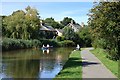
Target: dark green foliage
{"points": [[54, 43], [67, 43], [53, 23], [13, 44], [104, 22], [46, 34], [66, 21], [51, 42], [60, 38], [85, 36], [70, 34]]}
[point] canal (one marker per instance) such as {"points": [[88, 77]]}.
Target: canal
{"points": [[31, 63]]}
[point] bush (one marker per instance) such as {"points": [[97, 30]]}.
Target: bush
{"points": [[12, 44], [85, 36], [51, 42], [67, 43], [36, 43], [60, 38], [112, 54]]}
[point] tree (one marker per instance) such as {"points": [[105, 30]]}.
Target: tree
{"points": [[22, 24], [85, 36], [104, 22], [70, 34], [33, 22], [53, 23], [66, 21]]}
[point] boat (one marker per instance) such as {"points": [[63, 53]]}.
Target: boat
{"points": [[46, 47]]}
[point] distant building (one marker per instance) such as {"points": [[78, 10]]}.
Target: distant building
{"points": [[46, 28], [82, 24], [59, 32], [75, 27]]}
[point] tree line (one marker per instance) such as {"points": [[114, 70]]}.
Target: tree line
{"points": [[104, 23], [25, 24]]}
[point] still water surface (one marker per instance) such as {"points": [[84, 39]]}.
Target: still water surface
{"points": [[33, 63]]}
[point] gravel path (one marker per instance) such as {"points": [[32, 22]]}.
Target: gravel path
{"points": [[93, 67]]}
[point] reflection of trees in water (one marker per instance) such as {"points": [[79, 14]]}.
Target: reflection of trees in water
{"points": [[27, 63], [22, 54], [63, 53], [22, 68], [55, 58], [22, 63], [47, 64]]}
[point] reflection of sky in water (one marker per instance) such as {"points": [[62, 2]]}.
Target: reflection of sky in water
{"points": [[33, 64], [45, 73], [3, 75]]}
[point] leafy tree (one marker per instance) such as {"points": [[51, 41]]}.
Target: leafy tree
{"points": [[85, 36], [3, 29], [22, 24], [66, 21], [104, 22], [53, 23], [70, 34], [33, 22]]}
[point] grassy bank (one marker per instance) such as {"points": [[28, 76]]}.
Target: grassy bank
{"points": [[110, 64], [72, 68]]}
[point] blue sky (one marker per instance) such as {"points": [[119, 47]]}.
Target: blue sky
{"points": [[58, 10]]}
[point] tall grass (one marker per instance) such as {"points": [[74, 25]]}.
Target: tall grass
{"points": [[13, 44]]}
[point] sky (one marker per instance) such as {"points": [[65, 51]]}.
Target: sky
{"points": [[58, 10]]}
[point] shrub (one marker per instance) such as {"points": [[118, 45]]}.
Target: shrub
{"points": [[51, 42], [36, 43], [112, 54], [67, 43], [60, 38], [12, 44]]}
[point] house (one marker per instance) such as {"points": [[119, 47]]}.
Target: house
{"points": [[59, 32], [47, 32], [75, 27], [46, 28]]}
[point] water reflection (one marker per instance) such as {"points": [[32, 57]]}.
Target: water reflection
{"points": [[33, 63], [46, 51]]}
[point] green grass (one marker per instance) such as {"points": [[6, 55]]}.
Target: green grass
{"points": [[110, 64], [73, 67]]}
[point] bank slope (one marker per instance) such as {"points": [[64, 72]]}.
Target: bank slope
{"points": [[72, 68]]}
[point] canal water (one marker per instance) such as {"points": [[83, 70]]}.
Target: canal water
{"points": [[32, 63]]}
